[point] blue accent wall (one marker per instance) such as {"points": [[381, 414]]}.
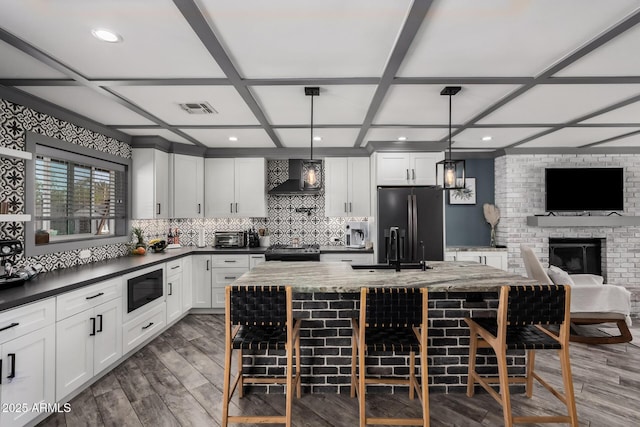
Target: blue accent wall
{"points": [[465, 224]]}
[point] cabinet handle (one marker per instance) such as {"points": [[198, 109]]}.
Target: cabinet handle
{"points": [[0, 371], [230, 277], [13, 325], [346, 260], [158, 210], [350, 207], [236, 207], [413, 174], [95, 296], [170, 289], [230, 207], [99, 324], [93, 326], [175, 266], [407, 174], [12, 356], [229, 260], [198, 207], [148, 326], [207, 265]]}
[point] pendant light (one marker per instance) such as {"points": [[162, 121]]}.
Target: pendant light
{"points": [[311, 178], [449, 172]]}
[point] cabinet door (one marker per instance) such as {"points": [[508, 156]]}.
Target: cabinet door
{"points": [[221, 278], [255, 260], [187, 284], [31, 358], [74, 352], [423, 168], [393, 169], [174, 297], [250, 188], [336, 194], [469, 256], [187, 186], [201, 281], [150, 183], [496, 259], [107, 346], [359, 187], [219, 187]]}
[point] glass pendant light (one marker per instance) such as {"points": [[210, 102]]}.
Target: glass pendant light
{"points": [[311, 178], [449, 172]]}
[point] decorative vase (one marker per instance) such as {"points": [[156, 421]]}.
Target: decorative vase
{"points": [[492, 243]]}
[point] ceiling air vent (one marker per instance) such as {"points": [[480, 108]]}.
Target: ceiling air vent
{"points": [[198, 108]]}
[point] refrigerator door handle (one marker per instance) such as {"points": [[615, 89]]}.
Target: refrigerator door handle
{"points": [[411, 231], [414, 237]]}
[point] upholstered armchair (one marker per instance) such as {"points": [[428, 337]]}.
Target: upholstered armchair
{"points": [[592, 301]]}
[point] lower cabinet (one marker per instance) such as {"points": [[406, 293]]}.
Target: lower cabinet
{"points": [[497, 259], [27, 351], [187, 283], [174, 290], [351, 258], [201, 281], [212, 273], [137, 330], [87, 343]]}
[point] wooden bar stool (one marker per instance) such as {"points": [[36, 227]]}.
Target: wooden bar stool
{"points": [[260, 318], [524, 313], [391, 319]]}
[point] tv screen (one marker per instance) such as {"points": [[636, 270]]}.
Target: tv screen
{"points": [[584, 189]]}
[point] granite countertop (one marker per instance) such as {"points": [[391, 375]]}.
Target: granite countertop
{"points": [[340, 277], [476, 248]]}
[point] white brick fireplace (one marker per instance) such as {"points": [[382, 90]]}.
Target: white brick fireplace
{"points": [[519, 193]]}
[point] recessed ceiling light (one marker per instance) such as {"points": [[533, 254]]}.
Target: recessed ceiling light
{"points": [[106, 35], [487, 138], [233, 138], [317, 138], [402, 138]]}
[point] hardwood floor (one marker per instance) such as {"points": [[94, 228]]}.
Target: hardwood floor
{"points": [[176, 380]]}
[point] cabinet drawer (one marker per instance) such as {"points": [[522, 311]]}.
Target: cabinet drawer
{"points": [[28, 318], [230, 261], [225, 276], [142, 327], [88, 297], [351, 258], [174, 267]]}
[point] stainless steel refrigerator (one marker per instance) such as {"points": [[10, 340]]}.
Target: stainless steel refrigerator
{"points": [[418, 213]]}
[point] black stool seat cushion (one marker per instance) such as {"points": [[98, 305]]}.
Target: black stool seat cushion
{"points": [[261, 338], [526, 337], [391, 339]]}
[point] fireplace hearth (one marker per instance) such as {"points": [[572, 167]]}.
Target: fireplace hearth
{"points": [[577, 255]]}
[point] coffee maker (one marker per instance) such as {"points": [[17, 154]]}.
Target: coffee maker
{"points": [[356, 234]]}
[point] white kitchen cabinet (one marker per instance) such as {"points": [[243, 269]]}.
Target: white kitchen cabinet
{"points": [[86, 344], [187, 186], [27, 352], [347, 186], [226, 269], [407, 168], [142, 327], [351, 258], [497, 259], [201, 280], [235, 187], [150, 183], [255, 259], [174, 290], [187, 283]]}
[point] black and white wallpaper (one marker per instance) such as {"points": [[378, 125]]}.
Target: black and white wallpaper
{"points": [[286, 218], [15, 120]]}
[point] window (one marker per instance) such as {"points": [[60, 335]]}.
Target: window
{"points": [[79, 199]]}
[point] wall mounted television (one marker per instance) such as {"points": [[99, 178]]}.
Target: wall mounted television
{"points": [[584, 189]]}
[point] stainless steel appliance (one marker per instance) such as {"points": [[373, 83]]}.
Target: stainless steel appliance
{"points": [[281, 252], [230, 239], [143, 289], [356, 233], [418, 214]]}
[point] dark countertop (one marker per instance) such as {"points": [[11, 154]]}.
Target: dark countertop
{"points": [[64, 280]]}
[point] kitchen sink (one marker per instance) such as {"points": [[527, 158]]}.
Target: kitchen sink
{"points": [[405, 266]]}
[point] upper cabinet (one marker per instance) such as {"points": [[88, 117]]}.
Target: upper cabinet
{"points": [[407, 168], [347, 186], [187, 186], [235, 187], [150, 183]]}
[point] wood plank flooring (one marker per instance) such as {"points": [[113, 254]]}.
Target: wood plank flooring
{"points": [[176, 380]]}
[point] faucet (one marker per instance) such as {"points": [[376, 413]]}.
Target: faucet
{"points": [[394, 242]]}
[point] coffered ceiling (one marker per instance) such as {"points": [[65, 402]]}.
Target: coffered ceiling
{"points": [[539, 74]]}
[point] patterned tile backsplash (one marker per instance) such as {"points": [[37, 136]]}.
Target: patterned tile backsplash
{"points": [[283, 222]]}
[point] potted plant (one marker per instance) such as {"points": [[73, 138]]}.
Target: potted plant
{"points": [[140, 247]]}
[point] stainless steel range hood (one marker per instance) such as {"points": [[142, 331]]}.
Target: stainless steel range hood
{"points": [[293, 185]]}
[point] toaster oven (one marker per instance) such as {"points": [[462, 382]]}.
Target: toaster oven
{"points": [[229, 239]]}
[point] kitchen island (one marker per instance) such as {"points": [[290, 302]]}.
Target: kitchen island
{"points": [[326, 295]]}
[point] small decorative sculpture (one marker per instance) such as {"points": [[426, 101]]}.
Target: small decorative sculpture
{"points": [[492, 216]]}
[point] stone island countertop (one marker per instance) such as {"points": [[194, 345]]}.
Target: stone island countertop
{"points": [[444, 276]]}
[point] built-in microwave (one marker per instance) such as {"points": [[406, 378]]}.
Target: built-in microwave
{"points": [[144, 289]]}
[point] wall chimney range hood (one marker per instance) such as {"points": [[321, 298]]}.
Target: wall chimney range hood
{"points": [[295, 185]]}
